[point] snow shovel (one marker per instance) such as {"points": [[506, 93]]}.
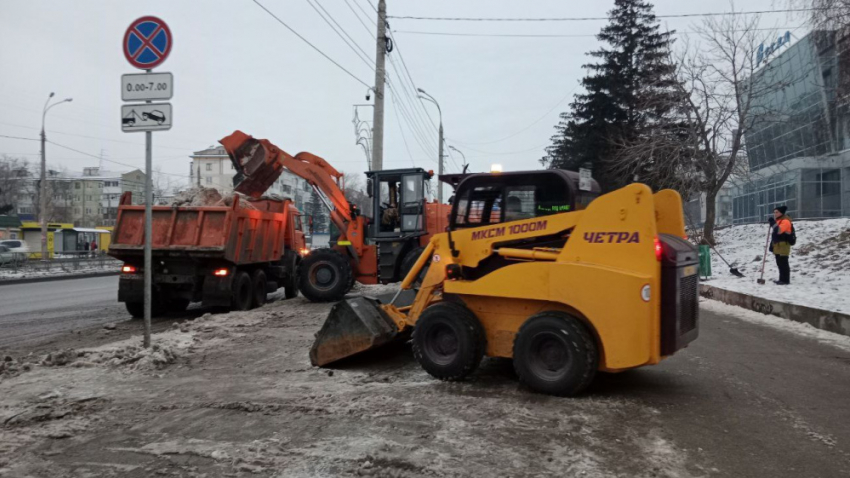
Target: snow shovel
{"points": [[732, 270], [760, 280]]}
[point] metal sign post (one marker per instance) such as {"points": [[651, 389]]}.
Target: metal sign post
{"points": [[584, 179], [147, 43]]}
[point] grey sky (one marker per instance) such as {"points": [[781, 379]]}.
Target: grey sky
{"points": [[235, 67]]}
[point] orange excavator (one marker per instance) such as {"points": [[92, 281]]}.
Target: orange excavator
{"points": [[374, 250]]}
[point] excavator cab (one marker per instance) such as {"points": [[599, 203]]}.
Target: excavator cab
{"points": [[398, 203]]}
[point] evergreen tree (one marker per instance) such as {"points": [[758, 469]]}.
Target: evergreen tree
{"points": [[629, 92], [317, 210]]}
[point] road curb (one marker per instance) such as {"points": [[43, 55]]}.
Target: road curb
{"points": [[30, 280], [822, 319]]}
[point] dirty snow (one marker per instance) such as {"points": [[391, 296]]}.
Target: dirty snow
{"points": [[829, 338], [8, 273], [202, 196], [236, 396], [820, 264]]}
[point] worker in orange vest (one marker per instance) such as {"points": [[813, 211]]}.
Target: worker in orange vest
{"points": [[781, 239]]}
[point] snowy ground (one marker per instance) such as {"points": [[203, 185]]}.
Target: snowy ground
{"points": [[820, 264]]}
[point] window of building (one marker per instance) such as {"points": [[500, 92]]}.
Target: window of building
{"points": [[209, 166], [76, 185], [209, 179]]}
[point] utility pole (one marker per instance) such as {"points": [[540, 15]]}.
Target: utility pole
{"points": [[380, 73], [440, 160], [42, 190]]}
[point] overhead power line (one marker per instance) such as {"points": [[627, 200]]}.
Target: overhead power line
{"points": [[109, 160], [369, 30], [529, 125], [544, 35], [312, 45], [19, 137], [342, 34], [582, 19]]}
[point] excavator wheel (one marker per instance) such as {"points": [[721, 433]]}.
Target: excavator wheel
{"points": [[325, 276], [409, 261], [448, 341], [554, 353]]}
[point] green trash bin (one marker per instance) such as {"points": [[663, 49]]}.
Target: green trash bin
{"points": [[704, 261]]}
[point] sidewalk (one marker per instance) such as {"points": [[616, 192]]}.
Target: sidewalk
{"points": [[828, 320]]}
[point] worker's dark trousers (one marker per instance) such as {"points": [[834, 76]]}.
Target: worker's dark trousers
{"points": [[784, 268]]}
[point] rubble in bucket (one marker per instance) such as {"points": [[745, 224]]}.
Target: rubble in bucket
{"points": [[201, 196]]}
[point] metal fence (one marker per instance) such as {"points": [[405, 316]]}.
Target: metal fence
{"points": [[68, 264]]}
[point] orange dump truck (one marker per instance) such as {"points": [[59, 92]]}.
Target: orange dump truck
{"points": [[220, 255]]}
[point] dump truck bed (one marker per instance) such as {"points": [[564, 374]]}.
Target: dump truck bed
{"points": [[240, 233]]}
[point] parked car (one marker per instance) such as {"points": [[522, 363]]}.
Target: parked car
{"points": [[20, 248], [6, 256]]}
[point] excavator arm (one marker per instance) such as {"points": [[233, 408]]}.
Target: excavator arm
{"points": [[259, 163]]}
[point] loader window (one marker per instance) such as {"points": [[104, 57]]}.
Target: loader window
{"points": [[494, 199]]}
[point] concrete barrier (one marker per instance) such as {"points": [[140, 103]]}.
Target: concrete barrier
{"points": [[822, 319]]}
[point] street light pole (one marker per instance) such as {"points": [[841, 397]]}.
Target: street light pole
{"points": [[42, 189], [440, 145], [463, 155]]}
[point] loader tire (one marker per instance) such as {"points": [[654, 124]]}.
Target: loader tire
{"points": [[409, 261], [325, 276], [554, 353], [259, 284], [448, 341], [242, 297]]}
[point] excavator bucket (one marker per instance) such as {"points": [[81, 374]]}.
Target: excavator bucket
{"points": [[256, 162], [353, 326]]}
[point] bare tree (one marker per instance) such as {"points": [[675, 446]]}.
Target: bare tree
{"points": [[13, 175], [161, 184], [355, 192], [723, 97]]}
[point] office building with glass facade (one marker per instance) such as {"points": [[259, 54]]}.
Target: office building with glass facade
{"points": [[798, 144]]}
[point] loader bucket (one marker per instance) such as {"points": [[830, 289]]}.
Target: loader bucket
{"points": [[353, 326]]}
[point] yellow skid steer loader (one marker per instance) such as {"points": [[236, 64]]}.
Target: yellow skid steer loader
{"points": [[527, 272]]}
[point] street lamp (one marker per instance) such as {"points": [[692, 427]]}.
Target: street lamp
{"points": [[440, 140], [461, 153], [43, 186]]}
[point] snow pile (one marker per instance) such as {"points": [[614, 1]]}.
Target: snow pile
{"points": [[7, 272], [820, 264], [199, 196]]}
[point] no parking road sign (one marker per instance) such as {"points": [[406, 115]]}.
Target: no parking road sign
{"points": [[147, 42]]}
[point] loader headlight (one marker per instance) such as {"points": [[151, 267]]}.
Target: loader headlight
{"points": [[645, 293]]}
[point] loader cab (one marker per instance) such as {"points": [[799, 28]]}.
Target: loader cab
{"points": [[491, 198], [398, 203]]}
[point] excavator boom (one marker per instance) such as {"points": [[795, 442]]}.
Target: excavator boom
{"points": [[259, 163]]}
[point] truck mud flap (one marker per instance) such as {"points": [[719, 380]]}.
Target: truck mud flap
{"points": [[353, 326]]}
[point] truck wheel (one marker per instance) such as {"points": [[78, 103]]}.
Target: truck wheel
{"points": [[177, 305], [324, 276], [407, 263], [290, 284], [242, 296], [258, 283], [448, 341], [554, 353], [137, 309]]}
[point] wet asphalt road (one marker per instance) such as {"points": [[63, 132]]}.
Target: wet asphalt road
{"points": [[743, 400], [41, 310]]}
